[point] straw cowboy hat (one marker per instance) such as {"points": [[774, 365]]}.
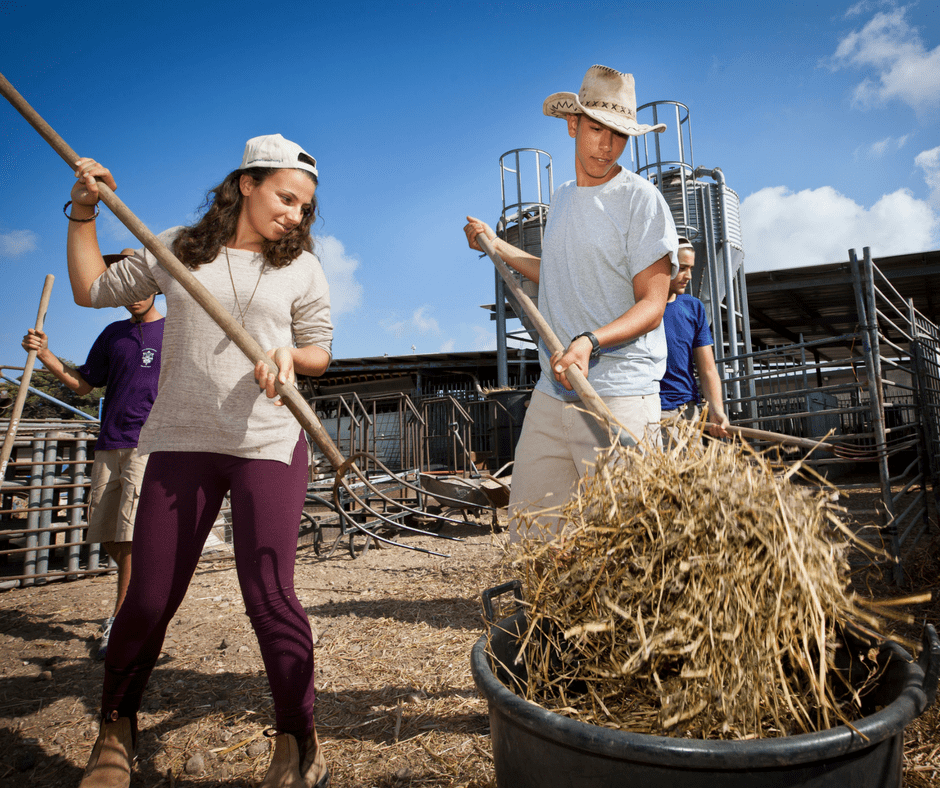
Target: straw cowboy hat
{"points": [[607, 96]]}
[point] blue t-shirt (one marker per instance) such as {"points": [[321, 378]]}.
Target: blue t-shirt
{"points": [[686, 329], [126, 358]]}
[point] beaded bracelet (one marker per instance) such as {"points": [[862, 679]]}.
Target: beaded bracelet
{"points": [[89, 219]]}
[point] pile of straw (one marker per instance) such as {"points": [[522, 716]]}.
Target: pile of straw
{"points": [[693, 592]]}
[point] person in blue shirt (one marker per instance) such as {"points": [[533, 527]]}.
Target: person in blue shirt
{"points": [[690, 350]]}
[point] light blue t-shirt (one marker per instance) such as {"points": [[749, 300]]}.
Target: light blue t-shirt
{"points": [[597, 238]]}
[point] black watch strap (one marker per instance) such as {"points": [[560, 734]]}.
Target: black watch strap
{"points": [[596, 346]]}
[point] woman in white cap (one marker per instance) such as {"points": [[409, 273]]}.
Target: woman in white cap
{"points": [[608, 254], [212, 431]]}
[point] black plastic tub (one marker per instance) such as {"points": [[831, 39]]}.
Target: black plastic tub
{"points": [[538, 748]]}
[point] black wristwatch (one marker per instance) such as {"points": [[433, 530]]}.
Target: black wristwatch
{"points": [[596, 346]]}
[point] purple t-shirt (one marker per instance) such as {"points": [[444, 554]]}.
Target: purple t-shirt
{"points": [[686, 329], [126, 358]]}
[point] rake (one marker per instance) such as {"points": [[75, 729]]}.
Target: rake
{"points": [[348, 474]]}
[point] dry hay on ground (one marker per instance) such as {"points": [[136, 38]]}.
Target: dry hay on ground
{"points": [[396, 704], [695, 592]]}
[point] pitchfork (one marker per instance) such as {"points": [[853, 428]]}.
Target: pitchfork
{"points": [[290, 396]]}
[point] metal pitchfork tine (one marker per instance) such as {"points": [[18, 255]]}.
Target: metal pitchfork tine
{"points": [[841, 451], [291, 397], [340, 481]]}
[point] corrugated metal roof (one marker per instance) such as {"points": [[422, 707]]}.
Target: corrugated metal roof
{"points": [[354, 373], [819, 301]]}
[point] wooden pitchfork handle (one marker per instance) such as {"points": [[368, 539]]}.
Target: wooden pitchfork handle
{"points": [[576, 378], [23, 391], [778, 437], [245, 342]]}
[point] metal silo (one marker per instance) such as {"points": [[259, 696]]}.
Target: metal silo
{"points": [[526, 181], [706, 212]]}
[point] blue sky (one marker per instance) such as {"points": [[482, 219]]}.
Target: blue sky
{"points": [[824, 118]]}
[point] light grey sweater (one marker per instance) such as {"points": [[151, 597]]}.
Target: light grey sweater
{"points": [[208, 399]]}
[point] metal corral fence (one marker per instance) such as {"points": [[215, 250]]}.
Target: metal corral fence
{"points": [[43, 499], [42, 504], [883, 400], [463, 430], [387, 426]]}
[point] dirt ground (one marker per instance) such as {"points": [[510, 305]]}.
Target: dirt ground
{"points": [[397, 706]]}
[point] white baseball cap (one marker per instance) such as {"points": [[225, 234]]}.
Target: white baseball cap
{"points": [[273, 151]]}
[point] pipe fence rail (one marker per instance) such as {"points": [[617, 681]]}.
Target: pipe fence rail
{"points": [[43, 499]]}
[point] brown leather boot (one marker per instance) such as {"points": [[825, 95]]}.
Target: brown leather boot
{"points": [[296, 765], [110, 763], [313, 766]]}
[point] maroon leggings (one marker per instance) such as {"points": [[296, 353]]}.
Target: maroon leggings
{"points": [[180, 499]]}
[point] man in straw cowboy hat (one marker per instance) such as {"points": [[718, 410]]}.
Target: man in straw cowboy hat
{"points": [[608, 255]]}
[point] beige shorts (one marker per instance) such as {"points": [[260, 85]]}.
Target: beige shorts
{"points": [[559, 445], [115, 489]]}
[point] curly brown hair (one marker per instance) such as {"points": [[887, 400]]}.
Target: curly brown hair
{"points": [[201, 243]]}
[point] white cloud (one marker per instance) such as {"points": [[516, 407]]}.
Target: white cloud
{"points": [[484, 338], [422, 322], [17, 242], [858, 9], [878, 149], [418, 323], [340, 269], [929, 162], [783, 229], [904, 68], [447, 347]]}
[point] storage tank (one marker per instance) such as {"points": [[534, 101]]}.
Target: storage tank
{"points": [[526, 176], [706, 212]]}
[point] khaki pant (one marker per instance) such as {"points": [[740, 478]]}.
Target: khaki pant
{"points": [[559, 445], [115, 489]]}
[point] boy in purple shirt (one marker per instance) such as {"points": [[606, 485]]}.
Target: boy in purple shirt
{"points": [[126, 358]]}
